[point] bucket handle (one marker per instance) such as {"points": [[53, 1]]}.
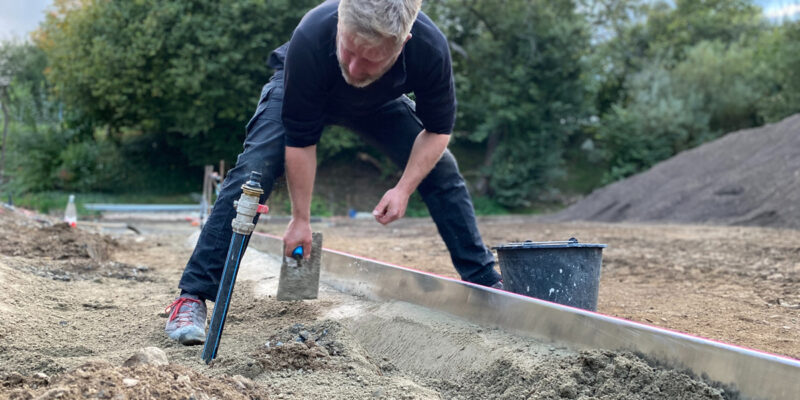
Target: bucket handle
{"points": [[558, 242]]}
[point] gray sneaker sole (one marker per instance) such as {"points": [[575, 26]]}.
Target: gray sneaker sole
{"points": [[188, 336]]}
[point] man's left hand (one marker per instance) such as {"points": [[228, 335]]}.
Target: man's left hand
{"points": [[392, 206]]}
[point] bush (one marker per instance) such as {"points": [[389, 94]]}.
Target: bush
{"points": [[486, 206], [34, 157], [89, 166], [58, 159], [712, 92], [657, 123], [780, 50]]}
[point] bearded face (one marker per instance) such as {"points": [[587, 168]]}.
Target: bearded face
{"points": [[363, 62]]}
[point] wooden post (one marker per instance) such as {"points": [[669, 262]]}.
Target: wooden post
{"points": [[205, 203]]}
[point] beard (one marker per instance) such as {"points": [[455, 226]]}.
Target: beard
{"points": [[363, 82]]}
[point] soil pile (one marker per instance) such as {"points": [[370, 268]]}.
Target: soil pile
{"points": [[751, 177], [55, 250], [590, 374], [102, 380]]}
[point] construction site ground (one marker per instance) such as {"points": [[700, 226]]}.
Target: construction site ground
{"points": [[76, 305]]}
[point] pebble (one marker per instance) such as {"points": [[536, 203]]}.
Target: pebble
{"points": [[243, 383], [130, 382], [183, 379], [147, 356]]}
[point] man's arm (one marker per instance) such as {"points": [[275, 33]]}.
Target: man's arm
{"points": [[301, 168], [426, 152]]}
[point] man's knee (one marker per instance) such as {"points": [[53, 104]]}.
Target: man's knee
{"points": [[444, 176], [270, 169]]}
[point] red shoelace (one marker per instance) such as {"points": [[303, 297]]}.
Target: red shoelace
{"points": [[176, 305]]}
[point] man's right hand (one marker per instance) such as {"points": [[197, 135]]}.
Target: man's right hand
{"points": [[298, 233]]}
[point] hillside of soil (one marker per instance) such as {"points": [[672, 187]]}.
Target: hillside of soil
{"points": [[750, 177]]}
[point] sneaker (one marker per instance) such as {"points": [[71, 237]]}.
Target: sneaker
{"points": [[187, 320], [499, 285]]}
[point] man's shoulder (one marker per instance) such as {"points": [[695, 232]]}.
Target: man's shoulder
{"points": [[427, 39], [320, 22]]}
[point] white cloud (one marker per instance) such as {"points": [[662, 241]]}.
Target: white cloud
{"points": [[783, 11]]}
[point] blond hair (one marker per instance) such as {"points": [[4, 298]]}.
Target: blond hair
{"points": [[378, 20]]}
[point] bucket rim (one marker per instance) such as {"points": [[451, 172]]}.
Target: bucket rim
{"points": [[572, 243]]}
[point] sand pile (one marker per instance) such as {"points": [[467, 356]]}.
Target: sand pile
{"points": [[750, 177], [55, 250], [102, 380]]}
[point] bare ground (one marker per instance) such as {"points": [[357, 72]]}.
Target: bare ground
{"points": [[69, 323]]}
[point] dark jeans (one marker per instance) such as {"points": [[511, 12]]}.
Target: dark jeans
{"points": [[392, 129]]}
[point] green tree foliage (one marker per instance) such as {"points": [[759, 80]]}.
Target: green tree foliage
{"points": [[674, 29], [658, 122], [21, 88], [153, 87], [780, 51], [694, 74], [187, 68], [519, 75]]}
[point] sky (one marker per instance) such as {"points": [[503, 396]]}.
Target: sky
{"points": [[20, 17]]}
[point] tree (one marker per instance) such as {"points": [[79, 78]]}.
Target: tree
{"points": [[519, 77], [21, 66], [780, 51], [684, 73], [673, 30], [188, 69]]}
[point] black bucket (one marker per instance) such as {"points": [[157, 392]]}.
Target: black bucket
{"points": [[564, 272]]}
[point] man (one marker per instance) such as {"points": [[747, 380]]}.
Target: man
{"points": [[348, 63]]}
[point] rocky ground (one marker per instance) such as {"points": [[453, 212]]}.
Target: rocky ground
{"points": [[76, 305]]}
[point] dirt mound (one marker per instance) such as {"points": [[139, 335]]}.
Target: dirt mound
{"points": [[57, 251], [102, 380], [300, 347], [589, 374], [751, 177]]}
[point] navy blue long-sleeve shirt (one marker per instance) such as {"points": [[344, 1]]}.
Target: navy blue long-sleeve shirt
{"points": [[314, 86]]}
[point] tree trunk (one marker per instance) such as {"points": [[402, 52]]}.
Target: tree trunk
{"points": [[4, 106], [482, 187]]}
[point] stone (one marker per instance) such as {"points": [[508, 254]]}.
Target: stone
{"points": [[243, 383], [147, 356], [130, 382]]}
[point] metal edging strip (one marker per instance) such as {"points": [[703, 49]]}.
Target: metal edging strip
{"points": [[754, 374]]}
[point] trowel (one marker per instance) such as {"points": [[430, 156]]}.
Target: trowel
{"points": [[299, 279]]}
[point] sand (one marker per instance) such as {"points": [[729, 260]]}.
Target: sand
{"points": [[69, 339]]}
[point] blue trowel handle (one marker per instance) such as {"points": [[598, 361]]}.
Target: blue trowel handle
{"points": [[297, 253]]}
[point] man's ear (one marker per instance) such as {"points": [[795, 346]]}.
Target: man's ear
{"points": [[407, 39]]}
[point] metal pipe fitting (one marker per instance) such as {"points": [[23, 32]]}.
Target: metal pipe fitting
{"points": [[247, 206]]}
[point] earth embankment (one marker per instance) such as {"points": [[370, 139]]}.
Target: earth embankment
{"points": [[749, 178]]}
